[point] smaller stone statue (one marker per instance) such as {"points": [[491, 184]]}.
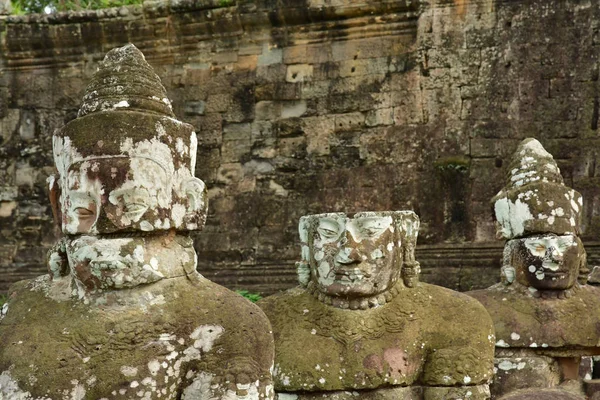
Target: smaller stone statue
{"points": [[122, 313], [545, 315], [361, 325]]}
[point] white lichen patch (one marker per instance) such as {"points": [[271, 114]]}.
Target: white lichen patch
{"points": [[129, 371], [507, 365], [3, 311], [154, 367], [205, 336], [512, 216], [121, 104]]}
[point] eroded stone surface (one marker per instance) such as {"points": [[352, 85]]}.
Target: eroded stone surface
{"points": [[365, 322], [545, 394], [123, 313], [545, 315]]}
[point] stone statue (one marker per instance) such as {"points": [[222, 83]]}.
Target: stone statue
{"points": [[545, 315], [123, 313], [361, 324]]}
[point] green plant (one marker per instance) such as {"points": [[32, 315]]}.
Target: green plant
{"points": [[453, 164], [2, 300], [46, 6], [17, 9], [253, 297], [225, 3]]}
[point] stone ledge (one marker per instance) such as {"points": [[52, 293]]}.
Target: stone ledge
{"points": [[62, 39]]}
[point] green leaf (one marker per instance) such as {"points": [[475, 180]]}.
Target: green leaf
{"points": [[253, 297]]}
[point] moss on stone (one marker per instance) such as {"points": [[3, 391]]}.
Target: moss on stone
{"points": [[426, 335], [57, 342]]}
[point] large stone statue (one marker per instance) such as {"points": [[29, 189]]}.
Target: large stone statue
{"points": [[123, 314], [545, 315], [361, 325]]}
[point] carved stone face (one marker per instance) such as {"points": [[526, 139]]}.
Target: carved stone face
{"points": [[353, 256], [547, 262], [115, 194]]}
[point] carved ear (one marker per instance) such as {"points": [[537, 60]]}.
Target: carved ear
{"points": [[584, 271], [303, 228], [54, 195], [197, 204]]}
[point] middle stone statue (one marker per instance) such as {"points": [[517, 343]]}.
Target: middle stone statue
{"points": [[361, 325]]}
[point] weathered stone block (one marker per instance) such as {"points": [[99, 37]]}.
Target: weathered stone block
{"points": [[261, 130], [267, 110], [382, 116], [270, 55], [209, 129], [27, 125], [194, 108], [292, 146], [237, 132], [365, 48], [218, 102], [235, 150], [299, 73], [311, 54], [197, 74], [293, 109], [7, 208], [351, 121], [314, 89], [318, 131], [368, 66]]}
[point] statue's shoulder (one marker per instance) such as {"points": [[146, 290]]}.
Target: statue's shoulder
{"points": [[523, 320], [210, 301], [447, 301], [278, 305], [32, 292]]}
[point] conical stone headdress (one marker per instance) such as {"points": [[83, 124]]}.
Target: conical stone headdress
{"points": [[125, 104], [125, 80], [535, 198]]}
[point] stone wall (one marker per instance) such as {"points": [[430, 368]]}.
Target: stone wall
{"points": [[308, 106]]}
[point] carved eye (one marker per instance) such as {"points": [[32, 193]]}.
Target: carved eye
{"points": [[327, 233], [136, 207], [371, 231], [83, 212], [564, 243], [536, 248], [328, 229]]}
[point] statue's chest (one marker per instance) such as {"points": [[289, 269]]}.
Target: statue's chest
{"points": [[102, 355], [323, 356]]}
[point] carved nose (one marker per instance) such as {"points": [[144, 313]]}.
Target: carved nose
{"points": [[348, 255], [555, 253]]}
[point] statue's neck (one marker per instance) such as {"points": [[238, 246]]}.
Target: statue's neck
{"points": [[358, 303], [555, 294], [547, 293]]}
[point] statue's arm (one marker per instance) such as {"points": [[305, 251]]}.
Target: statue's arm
{"points": [[458, 372]]}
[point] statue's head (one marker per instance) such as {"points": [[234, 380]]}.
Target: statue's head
{"points": [[540, 216], [125, 167], [358, 255], [547, 261]]}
